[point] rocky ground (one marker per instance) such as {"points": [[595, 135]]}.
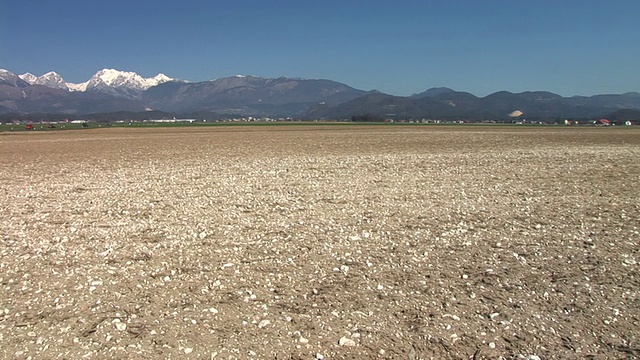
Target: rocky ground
{"points": [[314, 242]]}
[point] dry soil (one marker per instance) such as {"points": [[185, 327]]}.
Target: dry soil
{"points": [[335, 242]]}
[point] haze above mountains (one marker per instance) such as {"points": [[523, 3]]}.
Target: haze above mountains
{"points": [[112, 90]]}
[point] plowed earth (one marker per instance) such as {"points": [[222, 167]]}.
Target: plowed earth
{"points": [[321, 242]]}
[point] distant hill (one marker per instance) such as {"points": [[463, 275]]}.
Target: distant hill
{"points": [[433, 92], [250, 95], [112, 90], [624, 115], [448, 104]]}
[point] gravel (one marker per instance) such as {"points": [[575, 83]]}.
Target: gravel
{"points": [[320, 242]]}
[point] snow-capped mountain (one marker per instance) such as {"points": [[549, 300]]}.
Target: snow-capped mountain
{"points": [[19, 96], [126, 84], [118, 82], [11, 79], [51, 79], [29, 77]]}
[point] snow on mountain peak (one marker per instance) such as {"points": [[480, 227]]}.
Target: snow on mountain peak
{"points": [[239, 76], [28, 77], [161, 78], [51, 79], [9, 78], [125, 79], [77, 87], [116, 78], [105, 80]]}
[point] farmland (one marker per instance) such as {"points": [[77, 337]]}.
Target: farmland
{"points": [[320, 242]]}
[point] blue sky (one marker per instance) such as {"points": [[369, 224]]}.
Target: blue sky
{"points": [[399, 47]]}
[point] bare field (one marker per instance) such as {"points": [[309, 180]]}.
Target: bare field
{"points": [[321, 242]]}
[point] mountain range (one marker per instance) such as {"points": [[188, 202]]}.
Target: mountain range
{"points": [[110, 81], [112, 90]]}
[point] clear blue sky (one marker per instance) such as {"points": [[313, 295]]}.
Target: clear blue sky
{"points": [[571, 47]]}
